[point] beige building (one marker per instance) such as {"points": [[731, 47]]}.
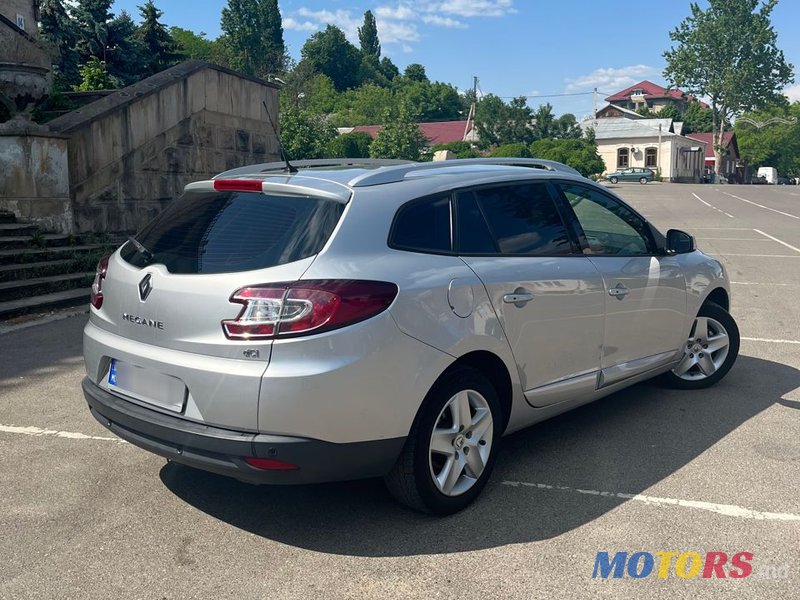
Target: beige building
{"points": [[623, 143]]}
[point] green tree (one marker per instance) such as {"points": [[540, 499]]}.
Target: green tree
{"points": [[123, 51], [368, 36], [431, 101], [400, 138], [415, 72], [389, 69], [515, 150], [728, 53], [460, 149], [771, 137], [192, 45], [253, 34], [328, 52], [91, 21], [60, 34], [697, 119], [579, 154], [159, 50], [365, 105], [500, 123], [350, 145], [94, 76], [305, 135]]}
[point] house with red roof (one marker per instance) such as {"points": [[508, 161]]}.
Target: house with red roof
{"points": [[645, 94], [731, 168], [440, 132]]}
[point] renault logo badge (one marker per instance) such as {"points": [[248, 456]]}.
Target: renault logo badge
{"points": [[145, 287]]}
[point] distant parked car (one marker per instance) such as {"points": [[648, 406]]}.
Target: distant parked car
{"points": [[632, 174], [758, 180], [783, 180]]}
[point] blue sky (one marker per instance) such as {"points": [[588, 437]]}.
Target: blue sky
{"points": [[515, 47]]}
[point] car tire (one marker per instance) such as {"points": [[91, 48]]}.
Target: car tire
{"points": [[614, 180], [643, 180], [419, 478], [717, 321]]}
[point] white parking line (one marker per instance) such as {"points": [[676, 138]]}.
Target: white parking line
{"points": [[761, 206], [722, 228], [728, 510], [37, 431], [732, 239], [763, 284], [761, 255], [769, 341], [712, 206], [795, 248]]}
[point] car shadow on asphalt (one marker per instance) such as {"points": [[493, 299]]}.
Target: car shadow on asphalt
{"points": [[626, 442]]}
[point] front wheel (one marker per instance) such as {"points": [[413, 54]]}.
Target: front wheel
{"points": [[450, 452], [709, 352], [643, 180], [614, 180]]}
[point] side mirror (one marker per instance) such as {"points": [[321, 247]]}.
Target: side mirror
{"points": [[679, 242]]}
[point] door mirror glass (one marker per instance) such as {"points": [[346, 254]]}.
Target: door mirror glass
{"points": [[679, 242]]}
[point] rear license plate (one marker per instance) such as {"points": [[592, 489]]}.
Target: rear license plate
{"points": [[147, 385]]}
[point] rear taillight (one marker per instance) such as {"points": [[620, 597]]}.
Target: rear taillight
{"points": [[96, 297], [305, 307]]}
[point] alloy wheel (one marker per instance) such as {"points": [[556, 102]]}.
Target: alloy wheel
{"points": [[461, 442], [705, 350]]}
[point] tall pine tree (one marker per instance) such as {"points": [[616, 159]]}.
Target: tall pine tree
{"points": [[158, 48], [254, 36], [92, 18], [60, 34], [368, 36]]}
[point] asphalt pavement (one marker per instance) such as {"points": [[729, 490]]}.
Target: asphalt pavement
{"points": [[85, 515]]}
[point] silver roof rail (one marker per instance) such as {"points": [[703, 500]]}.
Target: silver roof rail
{"points": [[393, 174], [303, 164]]}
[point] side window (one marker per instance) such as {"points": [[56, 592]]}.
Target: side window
{"points": [[610, 227], [423, 226], [472, 231], [523, 219]]}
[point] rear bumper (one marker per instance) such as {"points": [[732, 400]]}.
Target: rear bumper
{"points": [[223, 451]]}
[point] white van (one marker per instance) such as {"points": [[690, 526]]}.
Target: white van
{"points": [[769, 173]]}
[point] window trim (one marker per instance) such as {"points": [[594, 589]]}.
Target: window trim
{"points": [[654, 151], [654, 249], [627, 153], [439, 195], [575, 247]]}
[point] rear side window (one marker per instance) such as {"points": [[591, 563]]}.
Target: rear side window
{"points": [[236, 231], [423, 226], [523, 219]]}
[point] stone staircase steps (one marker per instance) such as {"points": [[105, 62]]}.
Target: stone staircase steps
{"points": [[40, 286], [13, 308], [41, 271]]}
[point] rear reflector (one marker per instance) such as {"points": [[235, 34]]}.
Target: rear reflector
{"points": [[238, 185], [270, 464], [306, 307]]}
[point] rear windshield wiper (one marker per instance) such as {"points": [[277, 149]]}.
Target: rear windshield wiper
{"points": [[140, 248]]}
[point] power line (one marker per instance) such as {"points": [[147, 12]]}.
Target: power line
{"points": [[553, 95]]}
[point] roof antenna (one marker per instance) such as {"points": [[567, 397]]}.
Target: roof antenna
{"points": [[289, 168]]}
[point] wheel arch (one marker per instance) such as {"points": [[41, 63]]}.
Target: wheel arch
{"points": [[719, 296], [494, 369]]}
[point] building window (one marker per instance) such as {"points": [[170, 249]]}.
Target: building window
{"points": [[650, 158], [21, 22], [622, 158]]}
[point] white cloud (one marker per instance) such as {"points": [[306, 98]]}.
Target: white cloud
{"points": [[793, 93], [443, 21], [294, 24], [612, 79], [399, 22]]}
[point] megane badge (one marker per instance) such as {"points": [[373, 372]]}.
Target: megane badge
{"points": [[145, 287]]}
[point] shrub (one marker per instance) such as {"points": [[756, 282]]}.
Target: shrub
{"points": [[350, 145], [518, 150]]}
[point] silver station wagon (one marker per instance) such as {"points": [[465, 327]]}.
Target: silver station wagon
{"points": [[350, 319]]}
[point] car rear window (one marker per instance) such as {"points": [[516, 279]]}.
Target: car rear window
{"points": [[423, 226], [234, 231]]}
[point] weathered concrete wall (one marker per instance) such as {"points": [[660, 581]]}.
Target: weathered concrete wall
{"points": [[35, 179], [132, 152], [11, 8]]}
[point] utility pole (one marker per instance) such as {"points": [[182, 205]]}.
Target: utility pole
{"points": [[594, 104], [472, 108]]}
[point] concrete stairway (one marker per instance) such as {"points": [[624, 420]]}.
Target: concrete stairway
{"points": [[42, 271]]}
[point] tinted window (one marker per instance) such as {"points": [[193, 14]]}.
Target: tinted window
{"points": [[609, 226], [236, 231], [423, 226], [473, 233], [523, 220]]}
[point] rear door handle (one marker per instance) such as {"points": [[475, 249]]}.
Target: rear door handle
{"points": [[518, 298], [620, 291]]}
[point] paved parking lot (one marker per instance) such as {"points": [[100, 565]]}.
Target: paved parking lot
{"points": [[84, 515]]}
